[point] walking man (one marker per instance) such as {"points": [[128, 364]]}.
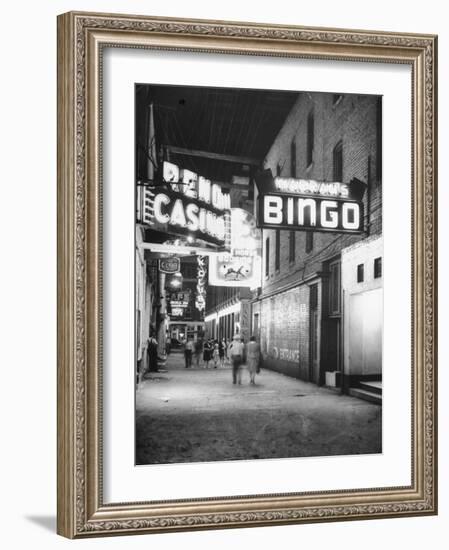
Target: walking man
{"points": [[237, 350], [188, 351]]}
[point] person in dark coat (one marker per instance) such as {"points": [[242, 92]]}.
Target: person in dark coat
{"points": [[221, 351], [207, 353], [198, 351], [152, 353]]}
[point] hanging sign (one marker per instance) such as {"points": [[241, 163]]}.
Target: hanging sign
{"points": [[309, 205], [242, 265], [200, 299], [179, 304], [187, 205], [169, 265]]}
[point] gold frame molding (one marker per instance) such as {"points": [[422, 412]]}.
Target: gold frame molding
{"points": [[81, 37]]}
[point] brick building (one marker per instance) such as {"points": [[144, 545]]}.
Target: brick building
{"points": [[301, 313]]}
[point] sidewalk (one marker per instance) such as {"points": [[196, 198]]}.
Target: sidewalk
{"points": [[198, 415]]}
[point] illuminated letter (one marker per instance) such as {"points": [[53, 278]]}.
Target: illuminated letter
{"points": [[204, 189], [272, 209], [170, 172], [290, 210], [216, 196], [177, 214], [202, 220], [192, 216], [354, 209], [344, 190], [158, 201], [332, 222], [302, 205]]}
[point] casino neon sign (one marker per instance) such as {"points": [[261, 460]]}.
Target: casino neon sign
{"points": [[309, 205], [188, 205]]}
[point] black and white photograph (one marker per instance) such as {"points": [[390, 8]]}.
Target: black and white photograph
{"points": [[258, 274]]}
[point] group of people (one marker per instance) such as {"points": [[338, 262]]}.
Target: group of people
{"points": [[240, 354], [218, 351], [208, 350]]}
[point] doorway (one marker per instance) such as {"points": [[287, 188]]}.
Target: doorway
{"points": [[313, 334]]}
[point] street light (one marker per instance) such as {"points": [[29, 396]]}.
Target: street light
{"points": [[175, 281]]}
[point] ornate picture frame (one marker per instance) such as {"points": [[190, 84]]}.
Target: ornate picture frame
{"points": [[82, 40]]}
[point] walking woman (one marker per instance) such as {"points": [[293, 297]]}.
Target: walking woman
{"points": [[221, 351], [215, 353], [253, 359], [207, 353]]}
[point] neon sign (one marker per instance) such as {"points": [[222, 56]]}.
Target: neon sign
{"points": [[309, 205], [200, 300], [241, 266], [187, 205], [186, 214], [310, 213]]}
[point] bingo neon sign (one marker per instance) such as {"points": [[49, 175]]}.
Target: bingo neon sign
{"points": [[309, 205]]}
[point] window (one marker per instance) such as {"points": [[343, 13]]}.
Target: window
{"points": [[267, 256], [291, 246], [314, 296], [277, 258], [379, 139], [309, 241], [278, 170], [310, 137], [334, 288], [338, 162], [378, 268], [360, 273], [293, 159]]}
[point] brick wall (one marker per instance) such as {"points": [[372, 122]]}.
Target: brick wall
{"points": [[284, 331], [353, 121]]}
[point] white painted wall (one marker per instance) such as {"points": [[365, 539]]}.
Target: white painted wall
{"points": [[363, 308], [28, 245]]}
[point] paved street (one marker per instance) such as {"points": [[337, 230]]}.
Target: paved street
{"points": [[198, 415]]}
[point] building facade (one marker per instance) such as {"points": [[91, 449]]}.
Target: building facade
{"points": [[308, 304]]}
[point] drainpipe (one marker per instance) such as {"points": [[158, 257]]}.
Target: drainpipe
{"points": [[342, 348]]}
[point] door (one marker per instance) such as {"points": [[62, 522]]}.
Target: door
{"points": [[314, 334], [331, 329]]}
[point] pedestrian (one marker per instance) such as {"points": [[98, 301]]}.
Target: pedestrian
{"points": [[198, 351], [221, 351], [226, 346], [237, 351], [188, 351], [168, 345], [152, 353], [253, 359], [207, 353], [216, 354]]}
